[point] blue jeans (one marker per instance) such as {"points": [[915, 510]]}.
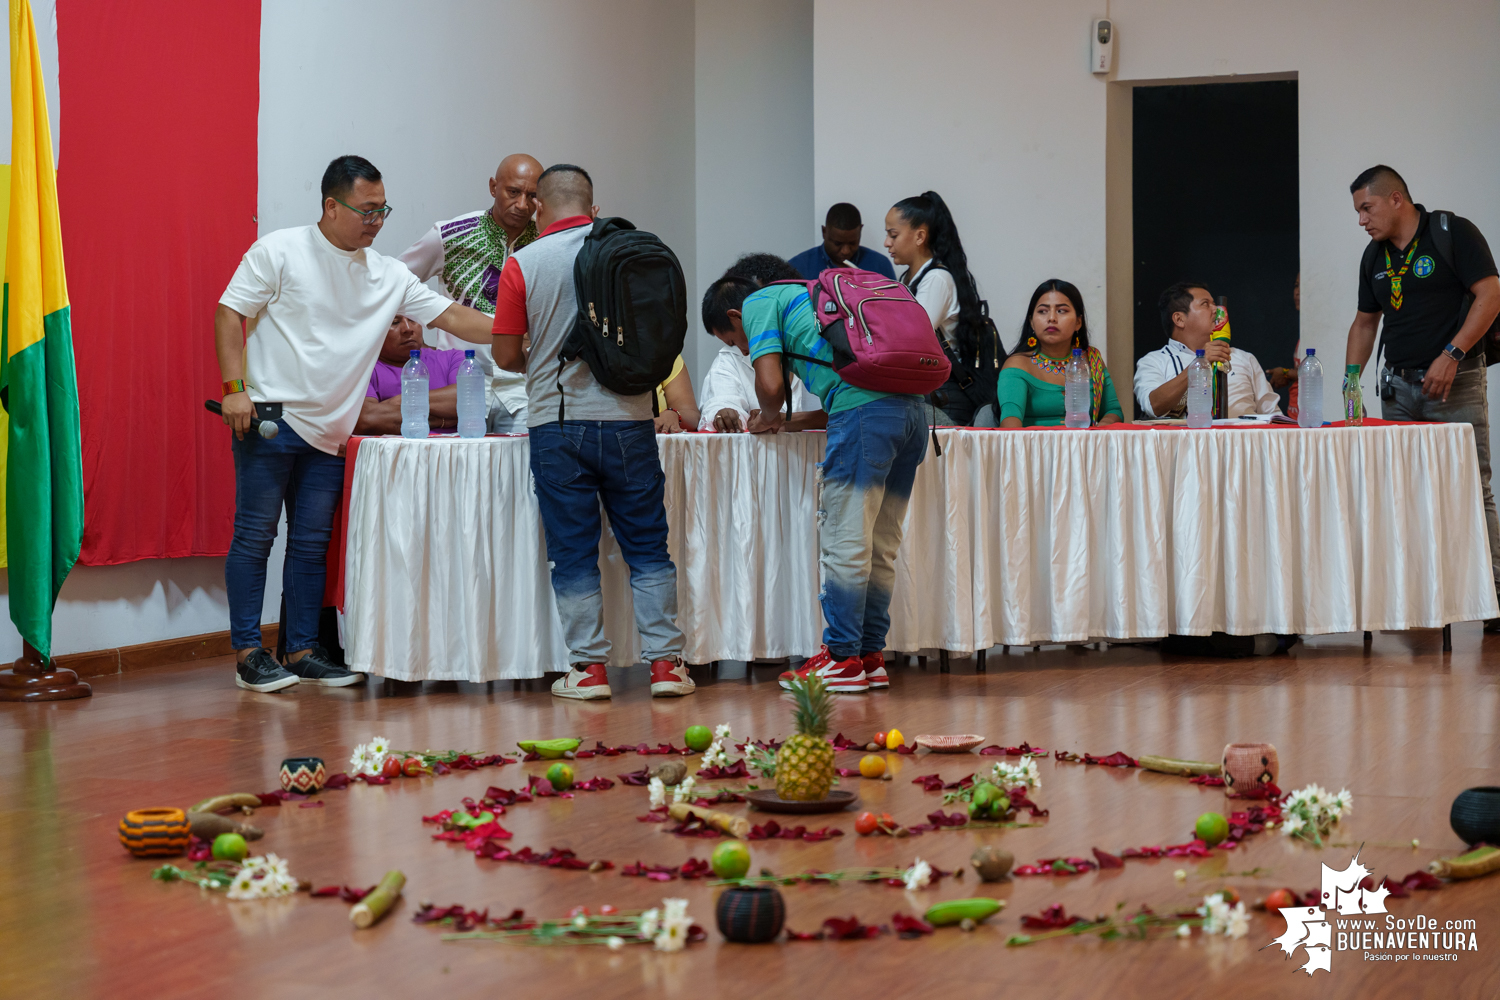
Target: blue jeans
{"points": [[267, 474], [868, 468], [1467, 403], [574, 466]]}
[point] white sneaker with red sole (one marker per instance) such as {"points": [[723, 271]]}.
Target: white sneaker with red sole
{"points": [[844, 676], [875, 670], [586, 684], [669, 679]]}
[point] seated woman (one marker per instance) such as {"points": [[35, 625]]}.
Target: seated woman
{"points": [[1030, 389], [921, 236], [676, 408]]}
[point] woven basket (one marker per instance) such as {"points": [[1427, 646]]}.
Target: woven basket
{"points": [[1249, 768], [751, 914], [303, 774], [155, 833]]}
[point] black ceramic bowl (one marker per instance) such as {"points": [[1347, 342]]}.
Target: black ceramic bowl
{"points": [[751, 914], [1476, 815]]}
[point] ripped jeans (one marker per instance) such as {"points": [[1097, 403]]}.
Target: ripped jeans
{"points": [[866, 477]]}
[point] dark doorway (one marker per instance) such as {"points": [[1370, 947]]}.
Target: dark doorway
{"points": [[1215, 200]]}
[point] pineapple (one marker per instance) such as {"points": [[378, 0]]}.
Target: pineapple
{"points": [[804, 764]]}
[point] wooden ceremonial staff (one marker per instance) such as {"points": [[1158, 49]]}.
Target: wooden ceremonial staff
{"points": [[36, 678]]}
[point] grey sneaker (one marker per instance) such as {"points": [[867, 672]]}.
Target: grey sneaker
{"points": [[260, 672], [317, 668]]}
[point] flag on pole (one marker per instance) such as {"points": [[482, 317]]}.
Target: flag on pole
{"points": [[38, 383]]}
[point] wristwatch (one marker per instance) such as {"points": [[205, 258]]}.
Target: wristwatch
{"points": [[1454, 351]]}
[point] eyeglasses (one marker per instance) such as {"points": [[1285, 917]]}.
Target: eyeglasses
{"points": [[374, 217]]}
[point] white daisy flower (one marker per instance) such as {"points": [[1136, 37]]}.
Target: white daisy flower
{"points": [[1292, 825], [722, 731], [649, 921], [674, 909], [243, 885], [361, 759], [380, 745], [1215, 913], [1345, 801], [673, 936], [683, 790], [1183, 930], [918, 876], [614, 943], [377, 761], [1238, 923], [580, 921], [658, 792]]}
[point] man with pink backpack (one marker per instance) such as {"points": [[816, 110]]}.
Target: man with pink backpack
{"points": [[865, 347]]}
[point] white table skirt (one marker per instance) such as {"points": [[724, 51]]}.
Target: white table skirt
{"points": [[1014, 537]]}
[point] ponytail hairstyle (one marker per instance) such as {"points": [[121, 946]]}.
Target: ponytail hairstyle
{"points": [[928, 209], [1073, 295]]}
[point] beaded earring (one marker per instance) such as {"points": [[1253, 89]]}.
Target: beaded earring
{"points": [[1076, 341], [1030, 341]]}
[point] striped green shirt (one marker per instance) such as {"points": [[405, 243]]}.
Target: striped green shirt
{"points": [[780, 320]]}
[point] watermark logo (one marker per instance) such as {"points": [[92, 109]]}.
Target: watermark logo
{"points": [[1344, 895]]}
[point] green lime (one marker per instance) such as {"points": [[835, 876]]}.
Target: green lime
{"points": [[731, 859], [230, 847], [561, 776], [698, 738], [1211, 828]]}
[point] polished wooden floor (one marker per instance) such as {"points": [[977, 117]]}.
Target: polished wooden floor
{"points": [[1403, 725]]}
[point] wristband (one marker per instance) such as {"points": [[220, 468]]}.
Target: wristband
{"points": [[233, 385]]}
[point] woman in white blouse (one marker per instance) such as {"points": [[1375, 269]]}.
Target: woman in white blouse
{"points": [[920, 234]]}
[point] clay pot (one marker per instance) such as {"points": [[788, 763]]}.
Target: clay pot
{"points": [[303, 774], [155, 833], [1475, 815], [1249, 768], [751, 914]]}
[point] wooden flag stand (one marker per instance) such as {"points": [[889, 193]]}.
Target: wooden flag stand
{"points": [[34, 678]]}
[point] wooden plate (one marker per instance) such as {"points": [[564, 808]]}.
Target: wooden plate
{"points": [[767, 799], [949, 744]]}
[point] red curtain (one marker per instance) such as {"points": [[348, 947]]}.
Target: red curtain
{"points": [[157, 192]]}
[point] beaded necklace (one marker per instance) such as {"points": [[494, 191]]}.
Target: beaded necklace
{"points": [[1047, 364]]}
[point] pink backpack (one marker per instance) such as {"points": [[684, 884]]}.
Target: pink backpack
{"points": [[881, 337]]}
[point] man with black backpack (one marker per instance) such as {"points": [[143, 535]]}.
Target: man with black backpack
{"points": [[590, 420], [1431, 276]]}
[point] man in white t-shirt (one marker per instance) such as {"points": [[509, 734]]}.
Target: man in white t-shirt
{"points": [[467, 254], [1187, 317], [301, 324]]}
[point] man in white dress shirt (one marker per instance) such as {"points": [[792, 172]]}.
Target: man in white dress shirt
{"points": [[1187, 317], [467, 254]]}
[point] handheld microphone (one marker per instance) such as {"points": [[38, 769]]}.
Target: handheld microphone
{"points": [[266, 415]]}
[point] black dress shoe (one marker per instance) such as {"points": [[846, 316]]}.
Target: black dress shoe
{"points": [[316, 668], [260, 672]]}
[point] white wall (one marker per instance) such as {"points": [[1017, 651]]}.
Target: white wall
{"points": [[754, 113], [993, 106], [454, 87]]}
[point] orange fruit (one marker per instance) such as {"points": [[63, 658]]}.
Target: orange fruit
{"points": [[871, 765]]}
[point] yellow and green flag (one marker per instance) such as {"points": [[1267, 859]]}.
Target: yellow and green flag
{"points": [[38, 383]]}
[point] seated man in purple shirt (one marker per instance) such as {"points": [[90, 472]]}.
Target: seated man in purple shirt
{"points": [[381, 411]]}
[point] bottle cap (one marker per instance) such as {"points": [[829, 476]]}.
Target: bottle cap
{"points": [[1077, 352], [469, 353], [416, 354], [1199, 352], [1352, 369], [1311, 351]]}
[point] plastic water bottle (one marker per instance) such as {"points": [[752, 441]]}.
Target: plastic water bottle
{"points": [[414, 382], [1310, 391], [1354, 402], [471, 408], [1077, 390], [1200, 398]]}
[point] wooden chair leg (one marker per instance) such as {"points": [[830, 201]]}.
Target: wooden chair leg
{"points": [[1447, 638], [1369, 637], [943, 661], [979, 661]]}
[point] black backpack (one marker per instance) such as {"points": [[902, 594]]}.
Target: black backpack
{"points": [[632, 310], [1440, 231], [973, 378]]}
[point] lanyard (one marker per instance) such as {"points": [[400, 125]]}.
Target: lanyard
{"points": [[1395, 275]]}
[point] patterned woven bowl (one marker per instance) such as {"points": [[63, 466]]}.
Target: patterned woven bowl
{"points": [[303, 774], [750, 914], [1249, 768], [1475, 815], [949, 744], [155, 833]]}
